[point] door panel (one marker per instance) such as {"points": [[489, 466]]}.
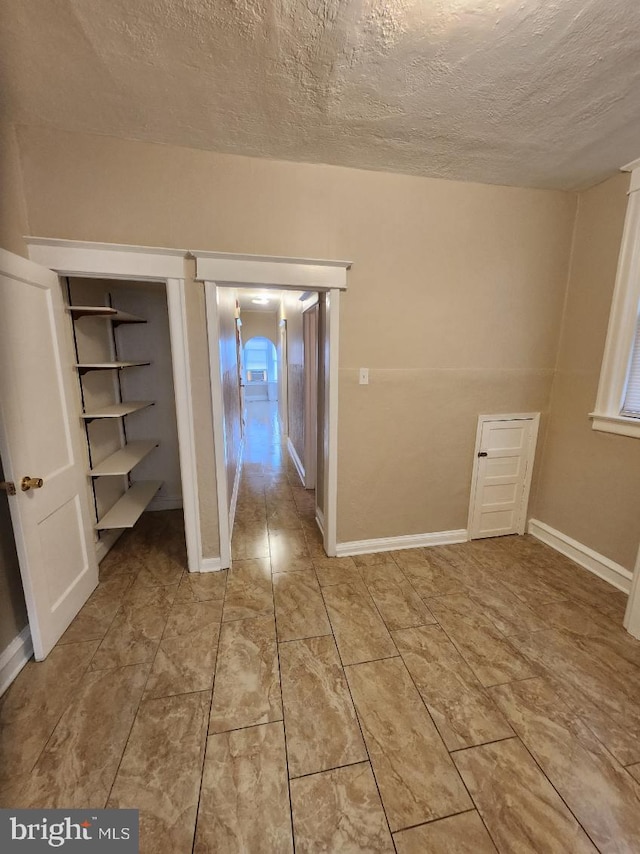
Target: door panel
{"points": [[40, 437], [502, 477]]}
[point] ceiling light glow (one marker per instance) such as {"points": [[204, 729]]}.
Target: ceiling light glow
{"points": [[261, 301]]}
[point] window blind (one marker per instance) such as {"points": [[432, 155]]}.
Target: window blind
{"points": [[631, 405]]}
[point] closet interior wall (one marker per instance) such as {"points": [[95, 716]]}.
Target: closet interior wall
{"points": [[97, 341]]}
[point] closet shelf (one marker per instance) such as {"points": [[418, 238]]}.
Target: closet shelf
{"points": [[128, 509], [107, 366], [113, 314], [117, 410], [125, 459]]}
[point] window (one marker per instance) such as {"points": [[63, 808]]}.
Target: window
{"points": [[260, 361], [618, 403]]}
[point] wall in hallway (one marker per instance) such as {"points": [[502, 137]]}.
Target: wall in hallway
{"points": [[291, 311], [13, 209], [263, 324], [230, 382], [589, 482], [454, 304]]}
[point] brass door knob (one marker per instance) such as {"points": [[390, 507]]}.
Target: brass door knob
{"points": [[31, 483]]}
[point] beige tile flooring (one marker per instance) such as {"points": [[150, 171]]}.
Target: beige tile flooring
{"points": [[469, 699]]}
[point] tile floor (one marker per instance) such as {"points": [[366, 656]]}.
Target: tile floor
{"points": [[462, 699]]}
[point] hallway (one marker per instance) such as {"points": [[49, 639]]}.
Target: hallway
{"points": [[461, 699]]}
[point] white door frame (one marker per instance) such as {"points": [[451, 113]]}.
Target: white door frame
{"points": [[138, 263], [222, 269], [632, 613], [534, 417]]}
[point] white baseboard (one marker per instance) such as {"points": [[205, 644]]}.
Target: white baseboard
{"points": [[168, 503], [210, 564], [596, 563], [236, 487], [296, 459], [14, 658], [320, 520], [409, 541]]}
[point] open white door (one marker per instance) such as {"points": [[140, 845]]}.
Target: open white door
{"points": [[40, 437], [505, 449]]}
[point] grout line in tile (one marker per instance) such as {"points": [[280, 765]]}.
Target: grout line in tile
{"points": [[484, 743], [433, 820]]}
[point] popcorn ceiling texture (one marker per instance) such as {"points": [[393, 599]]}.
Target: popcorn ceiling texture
{"points": [[541, 93]]}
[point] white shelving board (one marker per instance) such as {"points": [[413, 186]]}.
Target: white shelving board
{"points": [[117, 410], [128, 509], [125, 459], [105, 311], [108, 366]]}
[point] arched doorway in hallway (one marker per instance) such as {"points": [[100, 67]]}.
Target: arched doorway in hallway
{"points": [[260, 370]]}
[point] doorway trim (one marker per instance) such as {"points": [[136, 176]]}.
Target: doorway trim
{"points": [[146, 264], [310, 333], [223, 269], [534, 417]]}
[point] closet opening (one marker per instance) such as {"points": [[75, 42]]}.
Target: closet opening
{"points": [[124, 365]]}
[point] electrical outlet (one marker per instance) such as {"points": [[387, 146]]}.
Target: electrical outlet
{"points": [[364, 376]]}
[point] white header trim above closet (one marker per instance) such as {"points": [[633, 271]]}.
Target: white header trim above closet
{"points": [[112, 260]]}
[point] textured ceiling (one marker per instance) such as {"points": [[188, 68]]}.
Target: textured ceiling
{"points": [[525, 92]]}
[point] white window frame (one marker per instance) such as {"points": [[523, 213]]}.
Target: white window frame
{"points": [[607, 416]]}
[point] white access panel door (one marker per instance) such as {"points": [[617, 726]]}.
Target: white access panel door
{"points": [[40, 437], [505, 450]]}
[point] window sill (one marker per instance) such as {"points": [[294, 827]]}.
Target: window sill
{"points": [[619, 424]]}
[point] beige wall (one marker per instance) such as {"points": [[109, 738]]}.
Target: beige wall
{"points": [[589, 482], [263, 324], [454, 303], [13, 210], [13, 612]]}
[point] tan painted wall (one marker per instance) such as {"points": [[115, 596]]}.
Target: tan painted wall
{"points": [[13, 611], [454, 303], [263, 324], [13, 209], [589, 482]]}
